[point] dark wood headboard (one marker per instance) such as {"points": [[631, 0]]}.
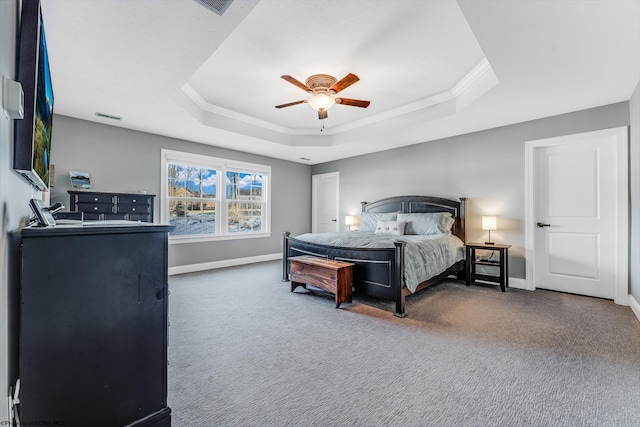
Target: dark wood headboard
{"points": [[421, 204]]}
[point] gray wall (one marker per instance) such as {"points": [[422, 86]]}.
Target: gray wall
{"points": [[123, 160], [15, 192], [634, 189], [487, 167]]}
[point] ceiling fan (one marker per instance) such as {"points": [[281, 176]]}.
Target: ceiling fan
{"points": [[323, 87]]}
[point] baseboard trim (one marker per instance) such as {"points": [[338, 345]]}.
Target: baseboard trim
{"points": [[514, 282], [192, 268], [635, 307], [517, 283]]}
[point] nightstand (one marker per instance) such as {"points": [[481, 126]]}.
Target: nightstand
{"points": [[501, 263]]}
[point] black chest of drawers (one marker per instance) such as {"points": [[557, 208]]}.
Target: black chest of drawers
{"points": [[109, 206], [89, 312]]}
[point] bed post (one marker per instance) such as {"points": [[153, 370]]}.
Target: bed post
{"points": [[285, 255], [463, 219], [398, 278]]}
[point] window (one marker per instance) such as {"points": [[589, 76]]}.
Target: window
{"points": [[244, 202], [207, 198]]}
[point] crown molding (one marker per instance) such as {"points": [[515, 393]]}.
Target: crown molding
{"points": [[192, 94], [472, 77], [477, 78]]}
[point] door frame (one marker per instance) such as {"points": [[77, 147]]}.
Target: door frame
{"points": [[621, 293], [314, 202]]}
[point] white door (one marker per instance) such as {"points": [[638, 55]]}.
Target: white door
{"points": [[579, 201], [324, 209]]}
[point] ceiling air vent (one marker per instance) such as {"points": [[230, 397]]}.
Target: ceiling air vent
{"points": [[218, 6], [108, 116]]}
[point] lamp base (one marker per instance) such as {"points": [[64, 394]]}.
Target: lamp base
{"points": [[489, 243]]}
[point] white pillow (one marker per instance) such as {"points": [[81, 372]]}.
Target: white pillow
{"points": [[390, 227], [369, 220], [427, 223]]}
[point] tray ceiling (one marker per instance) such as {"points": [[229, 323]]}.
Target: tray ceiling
{"points": [[431, 69]]}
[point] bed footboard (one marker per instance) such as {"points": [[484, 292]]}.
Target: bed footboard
{"points": [[377, 272]]}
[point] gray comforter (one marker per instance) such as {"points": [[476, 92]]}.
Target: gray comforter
{"points": [[425, 256]]}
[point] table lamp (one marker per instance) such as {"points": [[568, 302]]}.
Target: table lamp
{"points": [[349, 220], [489, 223]]}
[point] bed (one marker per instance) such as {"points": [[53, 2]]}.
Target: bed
{"points": [[381, 269]]}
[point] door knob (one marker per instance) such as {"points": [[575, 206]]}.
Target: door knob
{"points": [[541, 224], [334, 220]]}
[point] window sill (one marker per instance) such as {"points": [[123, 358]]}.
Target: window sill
{"points": [[176, 240]]}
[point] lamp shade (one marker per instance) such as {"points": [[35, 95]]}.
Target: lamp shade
{"points": [[489, 223], [348, 220]]}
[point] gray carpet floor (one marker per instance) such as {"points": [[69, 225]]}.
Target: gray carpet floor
{"points": [[245, 351]]}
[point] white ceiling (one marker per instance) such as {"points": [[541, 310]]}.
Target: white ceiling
{"points": [[431, 69]]}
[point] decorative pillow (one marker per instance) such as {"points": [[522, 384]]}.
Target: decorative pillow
{"points": [[390, 227], [369, 220], [427, 223]]}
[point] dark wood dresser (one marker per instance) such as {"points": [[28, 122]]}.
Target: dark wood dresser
{"points": [[90, 309], [105, 206]]}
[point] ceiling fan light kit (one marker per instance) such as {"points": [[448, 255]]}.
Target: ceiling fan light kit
{"points": [[321, 101], [323, 87]]}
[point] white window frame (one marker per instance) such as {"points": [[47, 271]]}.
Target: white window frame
{"points": [[221, 166]]}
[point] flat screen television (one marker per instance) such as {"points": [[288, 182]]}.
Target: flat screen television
{"points": [[32, 144]]}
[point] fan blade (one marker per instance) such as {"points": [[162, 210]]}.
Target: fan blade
{"points": [[353, 102], [291, 103], [346, 81], [293, 81]]}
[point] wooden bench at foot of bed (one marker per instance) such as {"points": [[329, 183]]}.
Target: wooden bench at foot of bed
{"points": [[332, 276]]}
